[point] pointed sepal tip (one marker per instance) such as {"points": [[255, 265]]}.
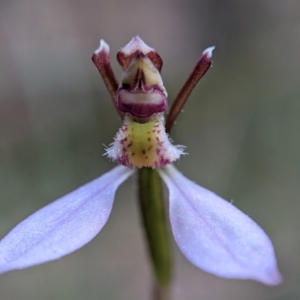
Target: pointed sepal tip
{"points": [[208, 51], [103, 47]]}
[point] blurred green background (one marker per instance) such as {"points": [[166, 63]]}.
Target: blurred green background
{"points": [[241, 128]]}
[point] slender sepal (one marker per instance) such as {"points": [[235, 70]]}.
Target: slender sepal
{"points": [[102, 62], [199, 71]]}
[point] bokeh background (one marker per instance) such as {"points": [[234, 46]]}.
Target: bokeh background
{"points": [[241, 126]]}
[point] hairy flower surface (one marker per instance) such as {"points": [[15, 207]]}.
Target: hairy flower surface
{"points": [[212, 234], [143, 144]]}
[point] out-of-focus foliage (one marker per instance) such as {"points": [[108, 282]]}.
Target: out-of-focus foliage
{"points": [[241, 126]]}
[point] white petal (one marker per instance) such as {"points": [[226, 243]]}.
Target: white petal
{"points": [[216, 236], [62, 226]]}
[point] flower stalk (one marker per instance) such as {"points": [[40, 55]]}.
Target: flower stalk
{"points": [[156, 229]]}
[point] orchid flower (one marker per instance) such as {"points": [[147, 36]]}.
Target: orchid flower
{"points": [[211, 232]]}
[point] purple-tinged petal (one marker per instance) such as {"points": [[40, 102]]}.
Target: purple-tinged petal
{"points": [[216, 236], [62, 226]]}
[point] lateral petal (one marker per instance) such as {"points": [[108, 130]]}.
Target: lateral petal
{"points": [[64, 225], [216, 236]]}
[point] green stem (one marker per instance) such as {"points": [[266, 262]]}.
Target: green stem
{"points": [[156, 229]]}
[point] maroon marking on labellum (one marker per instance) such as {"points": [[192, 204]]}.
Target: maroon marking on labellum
{"points": [[124, 160], [142, 110], [156, 60], [123, 140], [125, 60], [140, 103], [164, 161]]}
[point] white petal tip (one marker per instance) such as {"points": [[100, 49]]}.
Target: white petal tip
{"points": [[208, 51], [273, 278], [103, 47], [136, 44]]}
